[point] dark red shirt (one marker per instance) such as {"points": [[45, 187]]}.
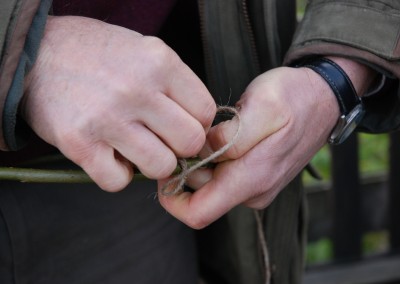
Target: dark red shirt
{"points": [[143, 16]]}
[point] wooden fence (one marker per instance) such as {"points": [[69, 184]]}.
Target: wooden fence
{"points": [[349, 207]]}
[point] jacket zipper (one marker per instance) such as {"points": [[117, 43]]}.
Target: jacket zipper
{"points": [[249, 28], [251, 37], [271, 28], [204, 40]]}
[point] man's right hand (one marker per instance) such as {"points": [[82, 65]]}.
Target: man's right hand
{"points": [[108, 97]]}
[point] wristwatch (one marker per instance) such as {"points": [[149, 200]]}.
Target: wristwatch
{"points": [[351, 106]]}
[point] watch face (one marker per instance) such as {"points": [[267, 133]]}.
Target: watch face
{"points": [[346, 125]]}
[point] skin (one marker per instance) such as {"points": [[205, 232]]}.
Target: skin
{"points": [[108, 97], [284, 125]]}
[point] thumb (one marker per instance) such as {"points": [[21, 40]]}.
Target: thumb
{"points": [[255, 122]]}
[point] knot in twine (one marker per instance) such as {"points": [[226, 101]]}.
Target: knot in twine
{"points": [[176, 184]]}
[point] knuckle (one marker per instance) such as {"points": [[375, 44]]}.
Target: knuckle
{"points": [[154, 42], [196, 222], [275, 103], [74, 147], [208, 115], [123, 85], [159, 52], [113, 184], [78, 142]]}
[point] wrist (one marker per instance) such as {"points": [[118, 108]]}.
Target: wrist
{"points": [[341, 85], [348, 95], [360, 75], [326, 102]]}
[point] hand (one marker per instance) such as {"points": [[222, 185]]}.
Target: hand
{"points": [[286, 117], [108, 97]]}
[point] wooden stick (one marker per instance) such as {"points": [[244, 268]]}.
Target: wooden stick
{"points": [[60, 176]]}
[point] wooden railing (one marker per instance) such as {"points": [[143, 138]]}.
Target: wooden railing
{"points": [[347, 208]]}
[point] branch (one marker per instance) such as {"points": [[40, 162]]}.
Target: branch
{"points": [[60, 176]]}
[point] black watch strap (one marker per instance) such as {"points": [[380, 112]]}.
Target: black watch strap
{"points": [[338, 80]]}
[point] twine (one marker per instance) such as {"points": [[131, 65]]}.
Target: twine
{"points": [[178, 183], [258, 214]]}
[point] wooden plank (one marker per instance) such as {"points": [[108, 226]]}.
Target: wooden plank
{"points": [[371, 271], [347, 201]]}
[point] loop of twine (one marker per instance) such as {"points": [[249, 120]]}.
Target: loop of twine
{"points": [[178, 181]]}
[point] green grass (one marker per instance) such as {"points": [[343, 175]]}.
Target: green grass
{"points": [[374, 153], [373, 157], [301, 5], [321, 251], [375, 242]]}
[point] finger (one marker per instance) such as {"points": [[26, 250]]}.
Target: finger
{"points": [[144, 149], [176, 127], [185, 88], [106, 168], [199, 178], [257, 122], [208, 203]]}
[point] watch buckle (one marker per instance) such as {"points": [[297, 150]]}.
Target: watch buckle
{"points": [[346, 125]]}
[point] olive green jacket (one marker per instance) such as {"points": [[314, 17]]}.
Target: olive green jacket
{"points": [[242, 38]]}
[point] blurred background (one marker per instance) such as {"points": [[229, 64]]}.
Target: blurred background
{"points": [[354, 211]]}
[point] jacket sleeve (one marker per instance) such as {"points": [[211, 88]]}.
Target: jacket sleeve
{"points": [[363, 30], [21, 27]]}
